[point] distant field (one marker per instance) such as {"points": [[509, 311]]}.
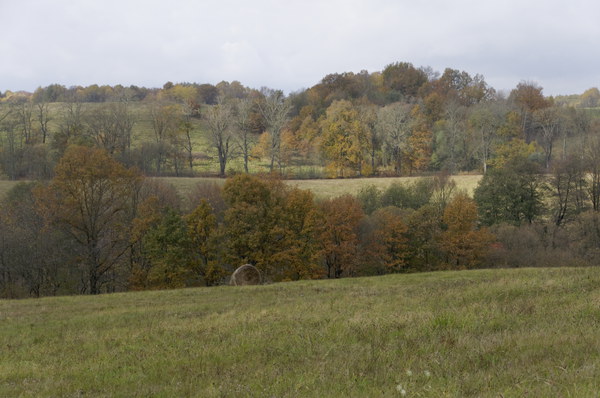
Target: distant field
{"points": [[6, 186], [327, 188], [337, 187], [488, 333]]}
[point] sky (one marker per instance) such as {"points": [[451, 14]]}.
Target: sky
{"points": [[293, 44]]}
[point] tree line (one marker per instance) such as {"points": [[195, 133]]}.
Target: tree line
{"points": [[403, 120], [97, 226]]}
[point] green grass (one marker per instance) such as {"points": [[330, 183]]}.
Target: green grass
{"points": [[488, 333]]}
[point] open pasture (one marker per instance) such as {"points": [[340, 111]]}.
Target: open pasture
{"points": [[328, 188], [485, 333]]}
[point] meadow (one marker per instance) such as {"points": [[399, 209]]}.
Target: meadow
{"points": [[482, 333], [327, 188], [321, 188], [5, 186]]}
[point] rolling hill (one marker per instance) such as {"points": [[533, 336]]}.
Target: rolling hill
{"points": [[483, 333]]}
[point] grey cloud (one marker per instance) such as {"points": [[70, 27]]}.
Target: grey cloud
{"points": [[293, 44]]}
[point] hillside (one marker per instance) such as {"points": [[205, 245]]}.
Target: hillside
{"points": [[488, 333]]}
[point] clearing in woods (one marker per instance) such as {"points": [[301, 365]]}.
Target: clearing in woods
{"points": [[328, 188]]}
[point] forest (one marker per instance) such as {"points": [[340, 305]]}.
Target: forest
{"points": [[89, 218]]}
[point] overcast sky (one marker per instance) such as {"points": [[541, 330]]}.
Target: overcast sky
{"points": [[293, 44]]}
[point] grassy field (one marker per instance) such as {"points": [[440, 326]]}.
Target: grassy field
{"points": [[324, 188], [5, 186], [488, 333], [327, 188], [337, 187]]}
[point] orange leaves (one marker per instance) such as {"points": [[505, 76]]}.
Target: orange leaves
{"points": [[339, 235], [464, 245], [388, 240]]}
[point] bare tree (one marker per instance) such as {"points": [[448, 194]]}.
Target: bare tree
{"points": [[10, 145], [455, 117], [549, 125], [485, 120], [91, 199], [591, 155], [110, 127], [394, 124], [23, 110], [243, 130], [71, 128], [275, 109], [164, 125], [567, 185], [43, 118], [218, 118], [186, 128], [368, 115]]}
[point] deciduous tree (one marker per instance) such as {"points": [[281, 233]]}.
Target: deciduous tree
{"points": [[394, 124], [90, 198], [464, 245], [511, 194], [275, 109], [339, 235], [219, 118], [344, 139]]}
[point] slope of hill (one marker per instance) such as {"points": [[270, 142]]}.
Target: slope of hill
{"points": [[520, 332]]}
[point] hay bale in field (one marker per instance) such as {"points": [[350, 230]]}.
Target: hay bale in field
{"points": [[247, 274]]}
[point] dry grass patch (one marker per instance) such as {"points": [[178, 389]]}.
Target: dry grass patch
{"points": [[330, 188], [6, 185]]}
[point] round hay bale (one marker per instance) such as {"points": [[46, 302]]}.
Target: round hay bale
{"points": [[247, 274]]}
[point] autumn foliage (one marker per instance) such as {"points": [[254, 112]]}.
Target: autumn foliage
{"points": [[122, 232]]}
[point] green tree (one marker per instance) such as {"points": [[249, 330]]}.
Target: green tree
{"points": [[297, 230], [511, 194], [203, 235], [424, 230], [408, 195], [370, 198], [270, 226], [167, 248], [402, 80]]}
